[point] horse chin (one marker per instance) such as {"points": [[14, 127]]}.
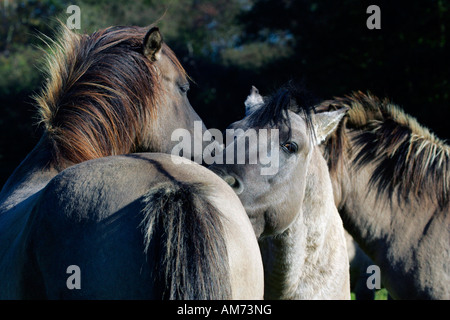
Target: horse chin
{"points": [[275, 223], [264, 224], [271, 232]]}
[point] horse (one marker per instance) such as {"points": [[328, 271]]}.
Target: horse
{"points": [[135, 226], [391, 184], [359, 261], [292, 211]]}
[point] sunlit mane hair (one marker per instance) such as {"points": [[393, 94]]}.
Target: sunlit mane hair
{"points": [[408, 158], [100, 93], [290, 97]]}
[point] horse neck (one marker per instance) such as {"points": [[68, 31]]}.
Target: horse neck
{"points": [[311, 254], [30, 176], [363, 206], [366, 217], [406, 238]]}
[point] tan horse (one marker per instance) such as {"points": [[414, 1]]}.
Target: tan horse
{"points": [[292, 211], [391, 184], [136, 226]]}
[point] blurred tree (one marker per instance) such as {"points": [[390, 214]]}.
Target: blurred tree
{"points": [[332, 49], [22, 19], [20, 23]]}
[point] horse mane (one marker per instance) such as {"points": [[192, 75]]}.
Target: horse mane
{"points": [[274, 111], [99, 94], [407, 155]]}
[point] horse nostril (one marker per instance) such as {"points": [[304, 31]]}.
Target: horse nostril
{"points": [[230, 178], [231, 181], [234, 183]]}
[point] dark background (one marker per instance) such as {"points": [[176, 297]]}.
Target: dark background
{"points": [[228, 45]]}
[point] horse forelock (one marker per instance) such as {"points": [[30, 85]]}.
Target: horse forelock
{"points": [[408, 157], [276, 107], [100, 93]]}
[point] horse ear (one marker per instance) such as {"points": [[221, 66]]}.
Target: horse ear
{"points": [[326, 122], [152, 44], [253, 101]]}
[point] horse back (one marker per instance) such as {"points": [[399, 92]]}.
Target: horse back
{"points": [[93, 218]]}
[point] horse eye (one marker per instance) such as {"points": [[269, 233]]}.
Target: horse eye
{"points": [[290, 147], [185, 88]]}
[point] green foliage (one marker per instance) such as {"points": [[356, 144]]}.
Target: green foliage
{"points": [[381, 294], [18, 73], [22, 19], [22, 22]]}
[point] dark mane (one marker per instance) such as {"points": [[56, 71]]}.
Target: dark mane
{"points": [[191, 255], [100, 93], [408, 158], [274, 111]]}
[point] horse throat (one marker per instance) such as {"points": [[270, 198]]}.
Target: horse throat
{"points": [[311, 254]]}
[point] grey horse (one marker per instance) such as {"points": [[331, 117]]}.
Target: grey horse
{"points": [[292, 210]]}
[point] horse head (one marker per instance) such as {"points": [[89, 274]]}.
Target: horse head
{"points": [[119, 90], [274, 200]]}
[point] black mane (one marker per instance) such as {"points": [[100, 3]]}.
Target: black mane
{"points": [[274, 111]]}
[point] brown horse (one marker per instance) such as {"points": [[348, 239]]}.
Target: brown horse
{"points": [[136, 226], [391, 184], [117, 91]]}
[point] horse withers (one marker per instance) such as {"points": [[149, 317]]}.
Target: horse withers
{"points": [[292, 211]]}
